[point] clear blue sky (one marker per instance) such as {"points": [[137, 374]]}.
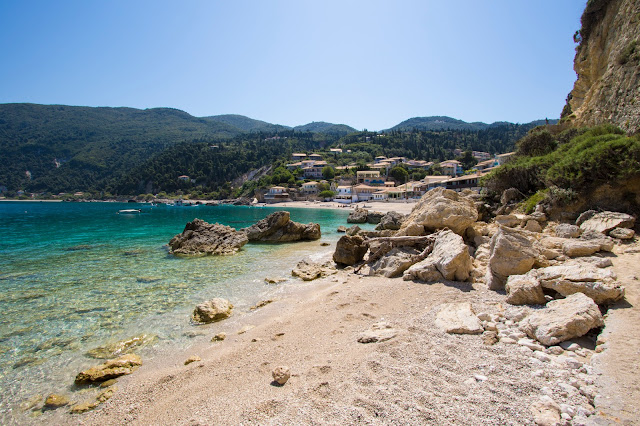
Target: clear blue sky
{"points": [[370, 64]]}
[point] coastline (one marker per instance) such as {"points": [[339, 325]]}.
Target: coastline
{"points": [[384, 207]]}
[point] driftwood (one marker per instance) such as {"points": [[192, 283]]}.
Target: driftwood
{"points": [[385, 244]]}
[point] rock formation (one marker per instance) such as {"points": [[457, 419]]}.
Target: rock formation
{"points": [[201, 238], [111, 369], [349, 250], [278, 227], [606, 63], [359, 215], [437, 209]]}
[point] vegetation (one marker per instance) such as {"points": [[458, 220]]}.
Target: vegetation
{"points": [[591, 157]]}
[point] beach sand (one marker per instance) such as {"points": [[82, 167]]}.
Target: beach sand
{"points": [[421, 376], [404, 207]]}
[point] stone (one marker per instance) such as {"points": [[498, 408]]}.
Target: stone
{"points": [[458, 318], [622, 233], [524, 290], [569, 346], [378, 332], [31, 403], [341, 228], [565, 230], [214, 310], [308, 271], [374, 217], [490, 338], [122, 347], [392, 220], [261, 304], [530, 344], [200, 238], [54, 401], [219, 337], [512, 253], [108, 383], [580, 277], [604, 222], [441, 208], [358, 215], [395, 262], [281, 374], [533, 226], [449, 259], [111, 369], [546, 412], [83, 407], [588, 214], [576, 248], [541, 356], [353, 230], [349, 250], [105, 395], [274, 280], [554, 350], [563, 319], [278, 228], [191, 359], [510, 195], [508, 220]]}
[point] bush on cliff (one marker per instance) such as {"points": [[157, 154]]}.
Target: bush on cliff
{"points": [[594, 156]]}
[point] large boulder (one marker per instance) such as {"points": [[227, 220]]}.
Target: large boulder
{"points": [[581, 277], [580, 247], [278, 228], [212, 311], [458, 318], [349, 250], [565, 230], [563, 319], [358, 216], [200, 238], [604, 222], [374, 217], [395, 262], [441, 208], [513, 252], [391, 220], [449, 260], [524, 290], [111, 369]]}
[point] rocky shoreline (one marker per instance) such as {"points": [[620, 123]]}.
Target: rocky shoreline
{"points": [[531, 295]]}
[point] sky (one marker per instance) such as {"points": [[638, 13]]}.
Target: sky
{"points": [[367, 63]]}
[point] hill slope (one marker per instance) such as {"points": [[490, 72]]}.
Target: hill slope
{"points": [[326, 128], [246, 124], [448, 123]]}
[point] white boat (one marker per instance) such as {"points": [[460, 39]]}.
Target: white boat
{"points": [[129, 211]]}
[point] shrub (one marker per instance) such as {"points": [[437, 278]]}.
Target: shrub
{"points": [[625, 55], [537, 142]]}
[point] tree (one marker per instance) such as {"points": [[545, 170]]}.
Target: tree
{"points": [[400, 174], [467, 159], [327, 194], [328, 173]]}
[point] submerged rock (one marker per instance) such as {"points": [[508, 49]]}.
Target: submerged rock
{"points": [[308, 271], [278, 228], [54, 401], [200, 238], [214, 310], [111, 369], [122, 347]]}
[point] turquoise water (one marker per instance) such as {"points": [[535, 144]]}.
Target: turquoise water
{"points": [[75, 276]]}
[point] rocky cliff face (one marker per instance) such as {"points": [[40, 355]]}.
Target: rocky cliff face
{"points": [[608, 66]]}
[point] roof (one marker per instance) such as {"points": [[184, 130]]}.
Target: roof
{"points": [[298, 154], [464, 177], [277, 187], [506, 154], [450, 162], [363, 186], [368, 171], [310, 183], [431, 179]]}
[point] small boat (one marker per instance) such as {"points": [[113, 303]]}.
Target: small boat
{"points": [[129, 211]]}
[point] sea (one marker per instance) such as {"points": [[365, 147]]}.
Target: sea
{"points": [[76, 277]]}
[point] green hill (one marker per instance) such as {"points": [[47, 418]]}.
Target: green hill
{"points": [[326, 128], [246, 124], [448, 123]]}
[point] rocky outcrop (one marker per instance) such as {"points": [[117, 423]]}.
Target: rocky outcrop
{"points": [[458, 318], [599, 284], [565, 230], [604, 222], [122, 347], [374, 217], [606, 63], [524, 290], [200, 238], [349, 250], [111, 369], [512, 253], [563, 319], [395, 262], [278, 228], [308, 271], [440, 208], [577, 248], [358, 216], [391, 221], [213, 310], [449, 260]]}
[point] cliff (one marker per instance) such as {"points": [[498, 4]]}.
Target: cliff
{"points": [[607, 62]]}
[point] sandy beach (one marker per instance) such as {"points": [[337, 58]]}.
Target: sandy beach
{"points": [[404, 207], [420, 376]]}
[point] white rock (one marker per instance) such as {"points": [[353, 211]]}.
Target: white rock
{"points": [[581, 277], [531, 344], [513, 252], [480, 377], [604, 222], [508, 340], [569, 346], [458, 318], [554, 350], [541, 356], [281, 374]]}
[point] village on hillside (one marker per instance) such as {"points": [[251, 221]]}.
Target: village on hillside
{"points": [[376, 183]]}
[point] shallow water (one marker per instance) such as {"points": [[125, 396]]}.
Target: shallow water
{"points": [[75, 276]]}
